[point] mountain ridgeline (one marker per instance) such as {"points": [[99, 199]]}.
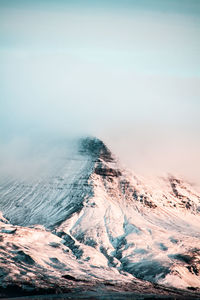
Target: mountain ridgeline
{"points": [[90, 222]]}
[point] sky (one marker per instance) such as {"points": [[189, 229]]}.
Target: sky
{"points": [[125, 71]]}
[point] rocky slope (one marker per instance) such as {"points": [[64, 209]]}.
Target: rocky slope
{"points": [[89, 222]]}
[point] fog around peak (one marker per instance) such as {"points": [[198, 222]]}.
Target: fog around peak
{"points": [[124, 71]]}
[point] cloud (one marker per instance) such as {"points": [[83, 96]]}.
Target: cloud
{"points": [[127, 73]]}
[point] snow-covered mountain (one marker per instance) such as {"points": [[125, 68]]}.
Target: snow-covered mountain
{"points": [[90, 222]]}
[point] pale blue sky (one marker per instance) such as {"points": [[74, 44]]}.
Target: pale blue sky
{"points": [[99, 67]]}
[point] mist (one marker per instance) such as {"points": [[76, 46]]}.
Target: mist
{"points": [[125, 72]]}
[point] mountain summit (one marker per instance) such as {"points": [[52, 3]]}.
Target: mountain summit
{"points": [[90, 222]]}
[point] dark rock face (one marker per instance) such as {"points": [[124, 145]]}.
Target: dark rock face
{"points": [[101, 155], [22, 257], [105, 171], [181, 191], [147, 269], [95, 148], [190, 259], [72, 278]]}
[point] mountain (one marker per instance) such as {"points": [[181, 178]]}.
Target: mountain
{"points": [[90, 224]]}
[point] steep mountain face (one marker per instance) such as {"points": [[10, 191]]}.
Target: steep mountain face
{"points": [[51, 198], [90, 222]]}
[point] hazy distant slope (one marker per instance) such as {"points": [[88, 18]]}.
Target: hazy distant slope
{"points": [[52, 197]]}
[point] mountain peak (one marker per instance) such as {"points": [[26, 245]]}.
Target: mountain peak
{"points": [[99, 218], [96, 149]]}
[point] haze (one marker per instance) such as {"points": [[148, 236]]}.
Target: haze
{"points": [[126, 71]]}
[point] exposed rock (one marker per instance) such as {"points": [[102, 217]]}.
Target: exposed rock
{"points": [[92, 223]]}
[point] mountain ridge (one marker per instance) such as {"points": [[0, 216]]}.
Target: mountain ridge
{"points": [[98, 217]]}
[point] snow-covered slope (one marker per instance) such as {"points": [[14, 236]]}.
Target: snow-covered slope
{"points": [[50, 198], [90, 221]]}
